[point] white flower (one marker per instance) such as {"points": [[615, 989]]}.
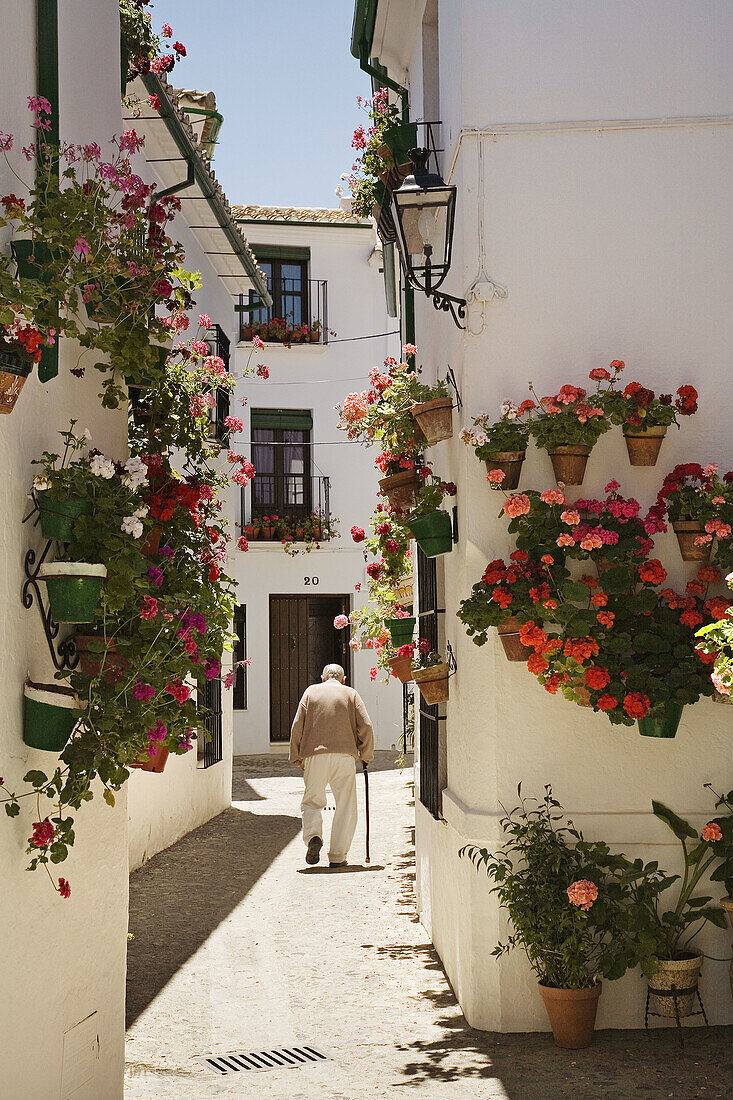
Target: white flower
{"points": [[479, 438], [131, 525], [41, 482], [137, 473], [102, 467], [141, 512], [86, 435], [509, 411], [466, 435]]}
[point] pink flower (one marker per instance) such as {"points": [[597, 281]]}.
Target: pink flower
{"points": [[81, 247], [204, 320], [341, 621], [582, 893], [257, 342], [591, 542], [612, 487], [518, 505], [599, 374], [718, 500], [154, 101], [496, 476], [570, 517], [229, 679], [372, 673], [143, 692], [148, 608], [701, 540], [242, 544], [43, 833], [566, 540], [167, 31], [552, 496], [409, 349], [234, 423], [64, 888], [180, 691], [712, 831]]}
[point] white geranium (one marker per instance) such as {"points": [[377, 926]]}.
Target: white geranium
{"points": [[86, 435], [102, 467], [136, 473], [41, 482], [141, 512], [509, 411], [131, 525], [479, 438]]}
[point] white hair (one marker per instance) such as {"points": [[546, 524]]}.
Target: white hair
{"points": [[333, 672]]}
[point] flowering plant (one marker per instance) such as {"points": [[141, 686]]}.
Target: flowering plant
{"points": [[571, 416], [694, 492], [423, 656], [431, 492], [572, 903], [141, 46], [718, 833], [284, 330], [638, 408], [609, 529], [369, 166], [510, 432], [717, 641], [523, 588], [383, 413]]}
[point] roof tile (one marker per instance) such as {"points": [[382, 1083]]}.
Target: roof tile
{"points": [[296, 214]]}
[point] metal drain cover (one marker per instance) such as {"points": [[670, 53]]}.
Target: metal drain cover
{"points": [[239, 1061]]}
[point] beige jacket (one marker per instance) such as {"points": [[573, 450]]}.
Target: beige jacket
{"points": [[331, 718]]}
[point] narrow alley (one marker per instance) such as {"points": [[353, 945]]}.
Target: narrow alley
{"points": [[238, 946]]}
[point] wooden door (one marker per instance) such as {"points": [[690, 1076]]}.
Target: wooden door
{"points": [[289, 675]]}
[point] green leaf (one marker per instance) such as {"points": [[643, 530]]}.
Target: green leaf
{"points": [[12, 809], [109, 798], [681, 829]]}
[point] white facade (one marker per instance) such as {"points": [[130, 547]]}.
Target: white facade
{"points": [[591, 146], [316, 377]]}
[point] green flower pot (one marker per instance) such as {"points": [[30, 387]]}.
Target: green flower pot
{"points": [[401, 630], [73, 589], [49, 716], [400, 139], [433, 533], [662, 727], [33, 259], [57, 516]]}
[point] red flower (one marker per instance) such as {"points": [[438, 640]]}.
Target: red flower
{"points": [[537, 664], [597, 677], [64, 888], [691, 618], [374, 569], [605, 618], [652, 572], [43, 833], [502, 597], [599, 374], [687, 403], [424, 471], [708, 574], [519, 555], [636, 705], [148, 608], [392, 546], [617, 365], [599, 599], [712, 831], [357, 534], [606, 702], [214, 573]]}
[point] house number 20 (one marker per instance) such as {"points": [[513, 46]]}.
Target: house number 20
{"points": [[311, 580]]}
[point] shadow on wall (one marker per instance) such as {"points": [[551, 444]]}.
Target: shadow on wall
{"points": [[186, 891]]}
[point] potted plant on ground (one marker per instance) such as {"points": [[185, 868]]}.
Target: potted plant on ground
{"points": [[568, 427], [433, 412], [700, 508], [430, 672], [501, 444], [675, 965], [646, 417], [430, 526], [572, 905]]}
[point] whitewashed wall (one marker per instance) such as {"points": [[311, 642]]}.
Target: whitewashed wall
{"points": [[612, 242], [64, 959], [318, 377]]}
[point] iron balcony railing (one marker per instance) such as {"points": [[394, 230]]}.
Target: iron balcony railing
{"points": [[298, 315], [298, 505]]}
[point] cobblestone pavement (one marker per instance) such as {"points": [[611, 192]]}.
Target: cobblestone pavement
{"points": [[239, 946]]}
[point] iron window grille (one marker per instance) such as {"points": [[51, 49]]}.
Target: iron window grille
{"points": [[218, 343], [240, 654], [430, 718], [209, 708], [299, 311]]}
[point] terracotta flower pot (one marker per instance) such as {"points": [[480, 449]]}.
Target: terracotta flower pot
{"points": [[675, 974], [400, 489], [155, 763], [401, 668], [572, 1014], [435, 419], [687, 530], [267, 534], [15, 366], [92, 650], [643, 447], [509, 636], [150, 547], [569, 462], [433, 683], [727, 904], [511, 463]]}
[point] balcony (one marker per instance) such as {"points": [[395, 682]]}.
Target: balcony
{"points": [[297, 505], [299, 314]]}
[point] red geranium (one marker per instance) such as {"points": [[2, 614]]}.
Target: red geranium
{"points": [[636, 705]]}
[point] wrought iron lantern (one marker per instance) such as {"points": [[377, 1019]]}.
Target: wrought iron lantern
{"points": [[424, 212]]}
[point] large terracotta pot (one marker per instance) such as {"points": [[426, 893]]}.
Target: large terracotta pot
{"points": [[15, 366], [155, 763], [509, 636], [682, 974], [435, 419], [400, 489], [687, 530], [569, 462], [511, 463], [433, 683], [727, 904], [643, 447], [150, 547], [572, 1014], [401, 668], [92, 649]]}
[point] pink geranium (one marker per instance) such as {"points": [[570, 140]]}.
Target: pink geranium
{"points": [[518, 505], [582, 893], [341, 621], [712, 831]]}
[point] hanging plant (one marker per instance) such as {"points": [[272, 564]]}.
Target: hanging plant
{"points": [[700, 508], [645, 417], [501, 444]]}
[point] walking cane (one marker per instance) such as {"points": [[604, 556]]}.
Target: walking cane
{"points": [[366, 803]]}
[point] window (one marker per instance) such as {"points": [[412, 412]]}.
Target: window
{"points": [[432, 735], [287, 281], [218, 344], [281, 453], [209, 742], [299, 311], [240, 654]]}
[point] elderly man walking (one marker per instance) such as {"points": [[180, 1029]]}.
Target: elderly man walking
{"points": [[331, 731]]}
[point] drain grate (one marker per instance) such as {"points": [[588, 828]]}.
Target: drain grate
{"points": [[280, 1058]]}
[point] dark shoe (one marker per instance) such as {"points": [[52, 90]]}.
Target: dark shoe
{"points": [[314, 850], [344, 863]]}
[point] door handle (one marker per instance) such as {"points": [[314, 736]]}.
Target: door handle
{"points": [[292, 641]]}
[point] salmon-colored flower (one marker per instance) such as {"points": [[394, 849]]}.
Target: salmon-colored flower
{"points": [[570, 517], [518, 505], [582, 893], [712, 831]]}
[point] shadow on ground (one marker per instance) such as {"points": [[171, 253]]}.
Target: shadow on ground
{"points": [[271, 766], [352, 869], [172, 914]]}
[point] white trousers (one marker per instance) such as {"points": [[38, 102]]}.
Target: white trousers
{"points": [[336, 770]]}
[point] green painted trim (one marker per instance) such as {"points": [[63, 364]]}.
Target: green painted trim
{"points": [[362, 28], [294, 419], [279, 252], [218, 123], [47, 47], [191, 154]]}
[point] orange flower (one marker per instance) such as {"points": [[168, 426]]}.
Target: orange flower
{"points": [[605, 618], [600, 599], [570, 517], [653, 572], [709, 574], [537, 664], [636, 704], [597, 677]]}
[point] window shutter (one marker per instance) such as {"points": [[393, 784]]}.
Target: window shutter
{"points": [[294, 419]]}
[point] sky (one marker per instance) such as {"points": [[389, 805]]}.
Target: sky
{"points": [[286, 84]]}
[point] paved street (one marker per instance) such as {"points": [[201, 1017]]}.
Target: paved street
{"points": [[238, 946]]}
